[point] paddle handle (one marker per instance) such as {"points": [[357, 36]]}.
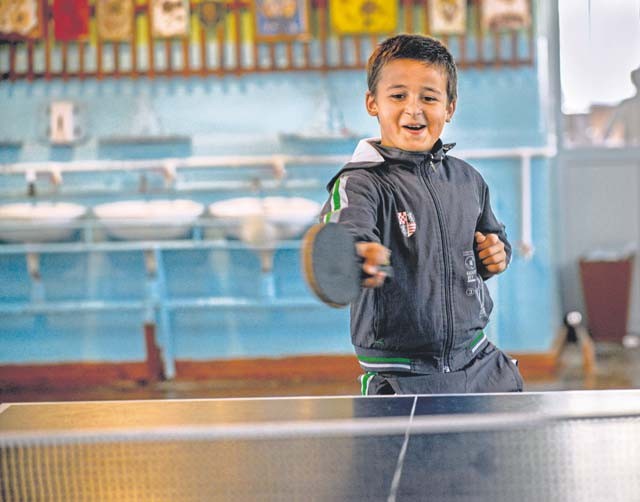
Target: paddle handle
{"points": [[387, 269]]}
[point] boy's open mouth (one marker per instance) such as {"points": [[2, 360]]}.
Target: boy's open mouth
{"points": [[415, 127]]}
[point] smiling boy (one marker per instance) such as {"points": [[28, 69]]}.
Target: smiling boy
{"points": [[406, 200]]}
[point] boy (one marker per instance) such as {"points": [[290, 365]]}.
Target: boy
{"points": [[408, 202]]}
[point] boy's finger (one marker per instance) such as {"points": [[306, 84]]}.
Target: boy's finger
{"points": [[373, 253], [485, 241], [376, 280], [369, 268], [497, 267], [493, 250], [494, 258], [480, 237], [382, 256], [491, 240]]}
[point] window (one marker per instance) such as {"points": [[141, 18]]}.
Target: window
{"points": [[599, 51]]}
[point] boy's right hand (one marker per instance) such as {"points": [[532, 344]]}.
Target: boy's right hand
{"points": [[374, 254]]}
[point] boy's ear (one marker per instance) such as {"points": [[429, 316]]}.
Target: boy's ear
{"points": [[370, 103], [451, 108]]}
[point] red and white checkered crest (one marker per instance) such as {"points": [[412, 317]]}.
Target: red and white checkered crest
{"points": [[407, 223]]}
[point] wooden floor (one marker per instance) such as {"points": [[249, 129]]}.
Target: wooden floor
{"points": [[616, 368]]}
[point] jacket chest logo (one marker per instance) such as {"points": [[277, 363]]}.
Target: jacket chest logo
{"points": [[407, 223]]}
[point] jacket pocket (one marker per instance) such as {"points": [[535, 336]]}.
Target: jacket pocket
{"points": [[485, 304], [493, 371], [436, 383], [516, 372], [474, 301]]}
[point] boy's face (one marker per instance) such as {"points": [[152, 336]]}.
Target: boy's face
{"points": [[411, 104]]}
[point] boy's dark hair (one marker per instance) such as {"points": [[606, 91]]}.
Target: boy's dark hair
{"points": [[417, 47]]}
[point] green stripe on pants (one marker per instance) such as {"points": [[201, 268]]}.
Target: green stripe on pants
{"points": [[365, 382]]}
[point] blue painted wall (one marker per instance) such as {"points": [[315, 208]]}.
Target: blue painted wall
{"points": [[498, 108], [232, 115]]}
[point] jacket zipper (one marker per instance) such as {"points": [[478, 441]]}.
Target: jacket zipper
{"points": [[447, 266]]}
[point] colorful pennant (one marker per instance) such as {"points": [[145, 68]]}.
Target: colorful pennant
{"points": [[20, 19], [169, 18], [114, 19], [281, 19], [211, 13], [71, 19], [447, 17], [351, 17], [498, 15]]}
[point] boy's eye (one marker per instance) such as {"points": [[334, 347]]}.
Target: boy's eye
{"points": [[428, 98], [397, 96]]}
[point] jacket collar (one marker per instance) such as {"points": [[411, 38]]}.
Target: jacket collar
{"points": [[369, 153], [365, 151], [370, 150]]}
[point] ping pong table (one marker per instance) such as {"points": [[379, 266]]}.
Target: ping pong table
{"points": [[548, 446]]}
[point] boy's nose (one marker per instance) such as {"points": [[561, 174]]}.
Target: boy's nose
{"points": [[413, 109], [413, 112]]}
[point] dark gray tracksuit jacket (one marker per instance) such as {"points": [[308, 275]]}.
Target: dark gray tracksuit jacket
{"points": [[424, 207]]}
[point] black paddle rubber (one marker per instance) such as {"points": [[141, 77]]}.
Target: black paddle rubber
{"points": [[331, 265]]}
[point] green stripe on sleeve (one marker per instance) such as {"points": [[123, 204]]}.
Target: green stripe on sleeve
{"points": [[478, 337], [336, 195], [384, 359], [338, 200]]}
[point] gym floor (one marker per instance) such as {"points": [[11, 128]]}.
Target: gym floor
{"points": [[617, 367]]}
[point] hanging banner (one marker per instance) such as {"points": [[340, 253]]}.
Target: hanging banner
{"points": [[71, 20], [351, 17], [281, 19], [20, 19], [169, 18], [499, 15], [448, 17], [115, 19]]}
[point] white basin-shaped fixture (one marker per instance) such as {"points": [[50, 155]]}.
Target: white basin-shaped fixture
{"points": [[148, 219], [39, 222], [288, 217]]}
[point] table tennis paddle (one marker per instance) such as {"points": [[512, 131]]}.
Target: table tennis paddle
{"points": [[331, 265]]}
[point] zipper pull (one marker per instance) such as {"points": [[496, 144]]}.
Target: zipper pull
{"points": [[430, 160]]}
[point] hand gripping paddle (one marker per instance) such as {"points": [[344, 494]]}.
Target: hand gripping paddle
{"points": [[331, 265]]}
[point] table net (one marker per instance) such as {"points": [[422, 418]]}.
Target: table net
{"points": [[494, 457]]}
